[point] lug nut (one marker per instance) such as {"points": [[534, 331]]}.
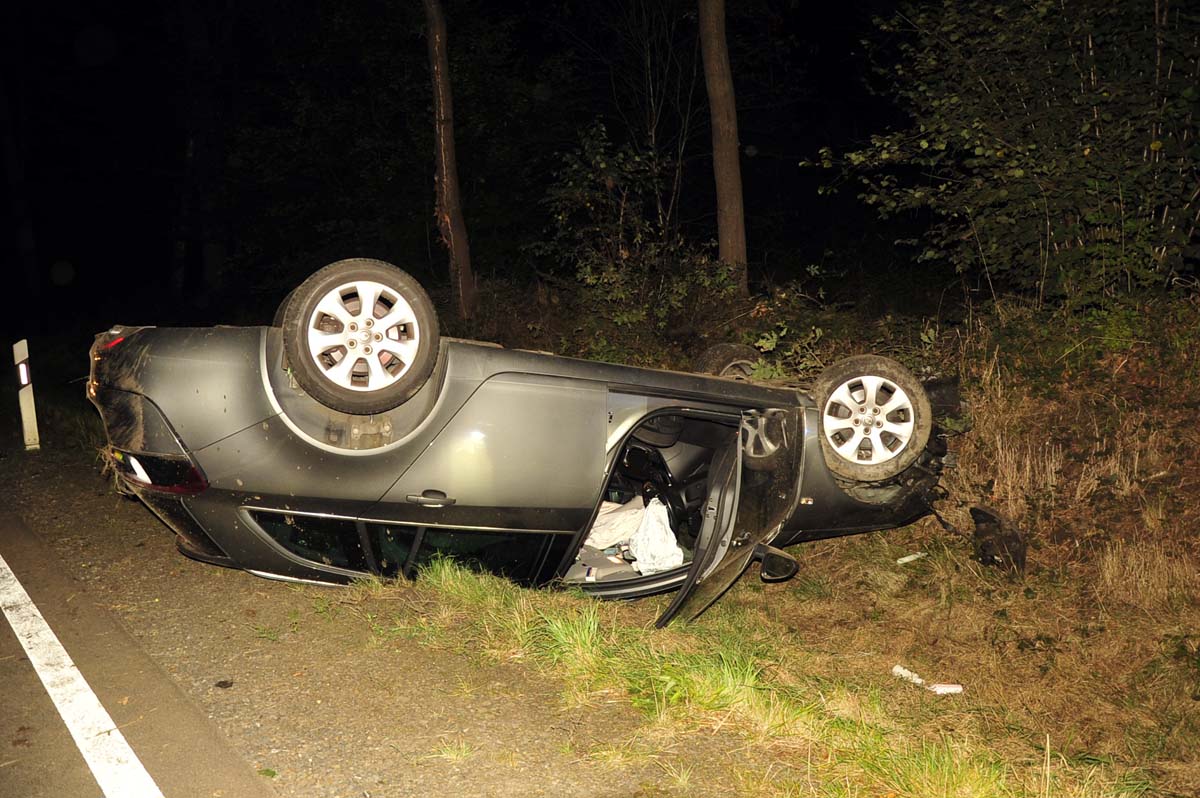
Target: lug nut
{"points": [[867, 431], [879, 424], [353, 327], [351, 343], [366, 350], [378, 336], [856, 422], [369, 322]]}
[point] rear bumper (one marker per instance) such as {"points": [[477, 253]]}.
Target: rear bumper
{"points": [[190, 538]]}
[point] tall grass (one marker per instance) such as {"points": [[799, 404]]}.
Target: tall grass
{"points": [[1150, 575]]}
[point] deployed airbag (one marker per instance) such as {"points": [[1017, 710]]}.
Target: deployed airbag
{"points": [[645, 530], [615, 524], [653, 544]]}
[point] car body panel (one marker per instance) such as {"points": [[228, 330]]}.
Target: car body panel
{"points": [[825, 509], [521, 441], [182, 370]]}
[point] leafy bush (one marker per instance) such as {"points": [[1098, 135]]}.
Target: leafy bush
{"points": [[612, 223], [1054, 144]]}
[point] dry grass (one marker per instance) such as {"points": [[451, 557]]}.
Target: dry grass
{"points": [[1151, 576], [1051, 456], [1095, 648], [1131, 455], [1010, 455]]}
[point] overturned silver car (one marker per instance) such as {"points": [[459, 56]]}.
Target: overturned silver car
{"points": [[351, 439]]}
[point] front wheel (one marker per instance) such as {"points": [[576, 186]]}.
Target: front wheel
{"points": [[361, 336], [875, 418]]}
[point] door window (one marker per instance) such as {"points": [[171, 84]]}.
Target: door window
{"points": [[521, 556], [325, 541], [395, 549]]}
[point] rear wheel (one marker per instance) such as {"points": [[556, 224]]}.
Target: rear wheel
{"points": [[875, 417], [361, 336]]}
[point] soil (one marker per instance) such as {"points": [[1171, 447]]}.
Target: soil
{"points": [[302, 688]]}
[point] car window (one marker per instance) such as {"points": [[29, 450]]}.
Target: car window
{"points": [[521, 556], [524, 557], [327, 541]]}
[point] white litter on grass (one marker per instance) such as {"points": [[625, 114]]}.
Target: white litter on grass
{"points": [[906, 559], [938, 689]]}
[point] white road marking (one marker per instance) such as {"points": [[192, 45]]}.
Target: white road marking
{"points": [[115, 767]]}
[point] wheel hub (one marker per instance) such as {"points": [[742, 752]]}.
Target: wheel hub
{"points": [[363, 335], [868, 420]]}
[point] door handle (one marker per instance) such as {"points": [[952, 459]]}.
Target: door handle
{"points": [[430, 498]]}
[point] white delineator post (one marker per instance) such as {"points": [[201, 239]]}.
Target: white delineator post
{"points": [[28, 411]]}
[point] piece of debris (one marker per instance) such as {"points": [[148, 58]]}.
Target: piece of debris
{"points": [[938, 689], [906, 559], [998, 541]]}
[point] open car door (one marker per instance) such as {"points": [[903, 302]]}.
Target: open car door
{"points": [[752, 487]]}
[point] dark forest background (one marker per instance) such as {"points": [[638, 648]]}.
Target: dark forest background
{"points": [[190, 162]]}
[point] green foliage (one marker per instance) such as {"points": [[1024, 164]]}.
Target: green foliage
{"points": [[611, 223], [1053, 144], [795, 352]]}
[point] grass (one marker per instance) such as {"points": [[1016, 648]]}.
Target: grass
{"points": [[265, 632], [452, 750], [853, 727], [1150, 575], [679, 776]]}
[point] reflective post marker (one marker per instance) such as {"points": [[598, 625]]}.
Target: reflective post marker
{"points": [[25, 394]]}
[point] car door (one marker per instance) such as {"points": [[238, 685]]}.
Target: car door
{"points": [[525, 452], [748, 501]]}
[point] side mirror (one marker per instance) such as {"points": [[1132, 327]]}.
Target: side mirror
{"points": [[775, 565]]}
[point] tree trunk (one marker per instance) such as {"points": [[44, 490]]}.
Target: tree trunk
{"points": [[718, 78], [451, 225]]}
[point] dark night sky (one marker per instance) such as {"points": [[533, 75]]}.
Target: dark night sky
{"points": [[89, 91], [98, 112]]}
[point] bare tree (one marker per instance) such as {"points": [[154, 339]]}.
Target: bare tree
{"points": [[718, 77], [652, 61], [451, 225]]}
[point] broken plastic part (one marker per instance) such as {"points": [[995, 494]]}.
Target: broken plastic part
{"points": [[937, 689]]}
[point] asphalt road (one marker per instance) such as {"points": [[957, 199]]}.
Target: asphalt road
{"points": [[123, 730]]}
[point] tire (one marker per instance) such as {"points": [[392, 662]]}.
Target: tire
{"points": [[735, 361], [277, 320], [353, 359], [875, 418]]}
